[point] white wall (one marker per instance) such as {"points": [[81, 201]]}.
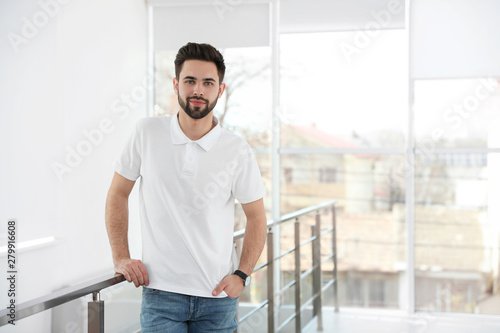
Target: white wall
{"points": [[65, 69]]}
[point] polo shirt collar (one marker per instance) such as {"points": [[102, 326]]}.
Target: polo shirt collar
{"points": [[207, 142]]}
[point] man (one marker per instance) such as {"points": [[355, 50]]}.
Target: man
{"points": [[191, 171]]}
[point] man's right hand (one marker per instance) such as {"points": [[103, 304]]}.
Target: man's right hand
{"points": [[133, 270]]}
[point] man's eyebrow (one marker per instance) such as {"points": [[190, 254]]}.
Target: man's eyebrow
{"points": [[194, 78]]}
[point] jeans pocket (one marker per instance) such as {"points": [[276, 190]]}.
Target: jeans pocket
{"points": [[149, 291]]}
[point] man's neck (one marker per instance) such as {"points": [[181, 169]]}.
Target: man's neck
{"points": [[195, 129]]}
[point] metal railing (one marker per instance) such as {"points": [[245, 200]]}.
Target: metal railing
{"points": [[96, 306], [316, 270]]}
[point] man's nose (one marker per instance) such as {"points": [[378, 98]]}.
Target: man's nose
{"points": [[198, 89]]}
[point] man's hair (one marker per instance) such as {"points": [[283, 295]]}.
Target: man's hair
{"points": [[204, 52]]}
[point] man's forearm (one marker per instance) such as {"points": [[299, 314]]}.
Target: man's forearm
{"points": [[253, 243], [117, 225]]}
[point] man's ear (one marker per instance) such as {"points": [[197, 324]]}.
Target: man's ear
{"points": [[176, 85], [222, 87]]}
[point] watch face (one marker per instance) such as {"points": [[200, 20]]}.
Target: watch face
{"points": [[247, 280]]}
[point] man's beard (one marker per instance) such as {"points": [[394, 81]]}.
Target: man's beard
{"points": [[196, 112]]}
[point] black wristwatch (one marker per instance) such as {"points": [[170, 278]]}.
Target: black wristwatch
{"points": [[246, 278]]}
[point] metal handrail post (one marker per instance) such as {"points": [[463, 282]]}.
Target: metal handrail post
{"points": [[270, 282], [334, 249], [314, 272], [298, 321], [96, 314], [317, 271]]}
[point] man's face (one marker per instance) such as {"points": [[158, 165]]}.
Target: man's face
{"points": [[198, 88]]}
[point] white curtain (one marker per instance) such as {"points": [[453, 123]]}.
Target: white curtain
{"points": [[222, 23], [340, 15], [455, 38]]}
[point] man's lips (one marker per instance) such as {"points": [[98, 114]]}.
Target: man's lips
{"points": [[197, 102]]}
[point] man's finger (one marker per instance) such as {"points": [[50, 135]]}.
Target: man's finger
{"points": [[125, 273], [219, 288], [134, 271], [134, 278], [144, 273], [138, 274]]}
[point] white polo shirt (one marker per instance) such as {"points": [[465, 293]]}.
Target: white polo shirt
{"points": [[186, 199]]}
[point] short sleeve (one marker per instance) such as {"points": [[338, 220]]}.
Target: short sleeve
{"points": [[128, 164], [247, 184]]}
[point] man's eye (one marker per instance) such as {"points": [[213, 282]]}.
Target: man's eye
{"points": [[189, 81], [209, 83]]}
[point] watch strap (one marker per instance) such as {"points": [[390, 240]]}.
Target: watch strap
{"points": [[242, 275]]}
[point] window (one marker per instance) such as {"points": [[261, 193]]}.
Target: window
{"points": [[327, 101], [331, 109], [457, 113], [288, 175], [456, 181], [327, 175]]}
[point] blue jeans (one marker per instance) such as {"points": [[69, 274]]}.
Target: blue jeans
{"points": [[163, 311]]}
